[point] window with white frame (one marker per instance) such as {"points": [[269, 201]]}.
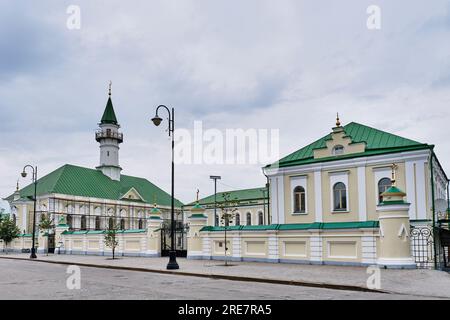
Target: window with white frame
{"points": [[299, 200], [249, 219], [237, 219], [260, 218], [340, 197], [383, 185], [339, 191], [299, 194], [338, 150]]}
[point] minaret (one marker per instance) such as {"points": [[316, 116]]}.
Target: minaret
{"points": [[109, 138]]}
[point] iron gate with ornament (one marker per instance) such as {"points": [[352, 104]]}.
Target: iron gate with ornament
{"points": [[180, 233], [430, 246]]}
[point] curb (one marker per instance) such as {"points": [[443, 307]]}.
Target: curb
{"points": [[212, 276]]}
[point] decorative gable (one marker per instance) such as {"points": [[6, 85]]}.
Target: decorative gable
{"points": [[132, 194], [339, 144]]}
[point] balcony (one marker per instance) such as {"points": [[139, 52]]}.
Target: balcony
{"points": [[108, 135]]}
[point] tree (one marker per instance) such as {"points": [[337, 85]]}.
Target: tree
{"points": [[8, 231], [228, 208], [46, 224], [111, 237]]}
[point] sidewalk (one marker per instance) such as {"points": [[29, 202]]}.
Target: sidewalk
{"points": [[426, 283]]}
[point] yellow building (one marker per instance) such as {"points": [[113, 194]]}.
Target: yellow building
{"points": [[326, 203]]}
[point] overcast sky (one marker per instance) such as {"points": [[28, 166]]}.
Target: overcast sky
{"points": [[287, 65]]}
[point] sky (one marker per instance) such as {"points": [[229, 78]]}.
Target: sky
{"points": [[252, 64]]}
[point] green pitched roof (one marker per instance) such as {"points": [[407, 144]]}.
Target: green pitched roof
{"points": [[85, 182], [109, 116], [377, 142], [236, 195]]}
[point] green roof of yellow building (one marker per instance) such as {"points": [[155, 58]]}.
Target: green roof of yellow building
{"points": [[377, 142]]}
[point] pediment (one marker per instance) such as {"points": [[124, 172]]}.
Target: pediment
{"points": [[132, 194], [339, 140]]}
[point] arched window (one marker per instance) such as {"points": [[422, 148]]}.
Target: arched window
{"points": [[338, 150], [69, 221], [249, 219], [122, 224], [383, 185], [216, 220], [340, 197], [14, 219], [260, 218], [299, 200], [97, 223], [111, 223], [237, 219], [83, 223], [141, 224]]}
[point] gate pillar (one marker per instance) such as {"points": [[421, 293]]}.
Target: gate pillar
{"points": [[197, 220], [395, 243], [59, 235], [154, 224], [42, 242]]}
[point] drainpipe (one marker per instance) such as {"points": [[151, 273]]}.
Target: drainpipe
{"points": [[268, 196], [448, 201], [433, 207]]}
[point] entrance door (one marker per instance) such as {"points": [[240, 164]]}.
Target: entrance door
{"points": [[51, 243]]}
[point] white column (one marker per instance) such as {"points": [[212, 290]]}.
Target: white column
{"points": [[236, 246], [281, 213], [318, 195], [315, 243], [421, 193], [369, 249], [25, 218], [411, 190], [207, 247], [274, 200], [362, 201], [272, 245]]}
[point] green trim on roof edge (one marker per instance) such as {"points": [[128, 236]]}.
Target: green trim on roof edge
{"points": [[299, 226], [235, 195]]}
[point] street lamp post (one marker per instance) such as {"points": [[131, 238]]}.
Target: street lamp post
{"points": [[157, 121], [34, 178], [215, 178]]}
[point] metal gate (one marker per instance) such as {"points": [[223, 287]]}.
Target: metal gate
{"points": [[443, 245], [430, 247], [51, 243], [180, 238], [422, 242]]}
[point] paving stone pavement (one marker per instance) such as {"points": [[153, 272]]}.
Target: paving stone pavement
{"points": [[425, 283]]}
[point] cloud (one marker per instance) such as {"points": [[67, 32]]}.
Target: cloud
{"points": [[289, 65]]}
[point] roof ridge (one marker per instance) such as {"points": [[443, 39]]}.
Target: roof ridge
{"points": [[381, 131]]}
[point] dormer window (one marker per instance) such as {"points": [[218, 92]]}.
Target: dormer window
{"points": [[338, 150]]}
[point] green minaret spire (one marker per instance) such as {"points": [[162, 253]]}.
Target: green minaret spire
{"points": [[109, 116]]}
